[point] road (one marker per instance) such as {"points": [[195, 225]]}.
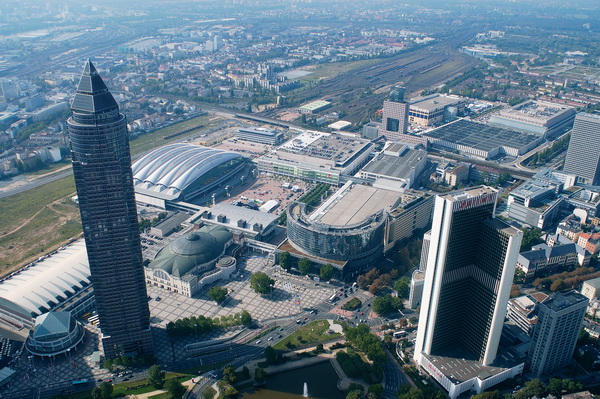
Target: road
{"points": [[27, 183]]}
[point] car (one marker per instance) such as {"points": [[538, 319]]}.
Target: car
{"points": [[306, 318], [361, 313], [270, 339], [298, 321], [109, 380], [99, 380], [258, 342]]}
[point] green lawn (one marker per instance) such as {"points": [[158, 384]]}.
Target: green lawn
{"points": [[120, 389], [20, 207], [311, 333]]}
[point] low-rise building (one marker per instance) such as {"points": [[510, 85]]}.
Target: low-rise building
{"points": [[547, 259], [314, 107], [318, 157], [259, 135], [523, 311], [398, 167], [590, 242], [591, 288]]}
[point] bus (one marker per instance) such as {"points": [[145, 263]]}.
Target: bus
{"points": [[399, 334], [80, 382], [333, 298]]}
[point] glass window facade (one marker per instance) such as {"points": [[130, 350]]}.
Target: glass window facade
{"points": [[335, 242]]}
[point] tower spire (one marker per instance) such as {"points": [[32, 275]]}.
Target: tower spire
{"points": [[92, 94]]}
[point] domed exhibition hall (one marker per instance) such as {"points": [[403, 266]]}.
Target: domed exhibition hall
{"points": [[188, 263]]}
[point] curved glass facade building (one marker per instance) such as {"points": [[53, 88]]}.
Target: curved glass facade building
{"points": [[354, 242]]}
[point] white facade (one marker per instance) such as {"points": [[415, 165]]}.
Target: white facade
{"points": [[437, 278]]}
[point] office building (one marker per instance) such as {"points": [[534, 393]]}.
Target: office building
{"points": [[417, 280], [583, 155], [536, 117], [318, 157], [259, 135], [395, 116], [470, 268], [103, 178], [523, 311], [591, 288], [435, 109], [555, 334]]}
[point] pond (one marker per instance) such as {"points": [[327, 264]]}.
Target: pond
{"points": [[321, 380]]}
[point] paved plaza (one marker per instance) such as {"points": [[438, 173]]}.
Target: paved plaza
{"points": [[290, 294]]}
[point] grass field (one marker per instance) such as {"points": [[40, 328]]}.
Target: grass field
{"points": [[155, 139], [42, 219], [313, 332], [324, 71]]}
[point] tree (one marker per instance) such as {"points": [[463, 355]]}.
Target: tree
{"points": [[355, 394], [208, 393], [488, 395], [411, 393], [217, 294], [531, 237], [97, 393], [532, 388], [270, 355], [285, 259], [261, 283], [402, 287], [320, 348], [175, 389], [246, 318], [558, 285], [106, 389], [376, 389], [305, 266], [259, 375], [229, 374], [387, 304], [326, 272], [156, 376]]}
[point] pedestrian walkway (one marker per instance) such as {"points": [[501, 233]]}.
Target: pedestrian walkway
{"points": [[187, 384]]}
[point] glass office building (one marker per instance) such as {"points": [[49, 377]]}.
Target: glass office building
{"points": [[102, 168]]}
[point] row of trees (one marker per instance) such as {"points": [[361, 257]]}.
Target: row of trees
{"points": [[188, 326], [313, 196], [541, 157], [565, 280], [305, 266]]}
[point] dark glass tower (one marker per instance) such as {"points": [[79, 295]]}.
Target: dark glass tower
{"points": [[102, 169]]}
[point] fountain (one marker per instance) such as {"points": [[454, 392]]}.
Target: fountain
{"points": [[305, 394]]}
